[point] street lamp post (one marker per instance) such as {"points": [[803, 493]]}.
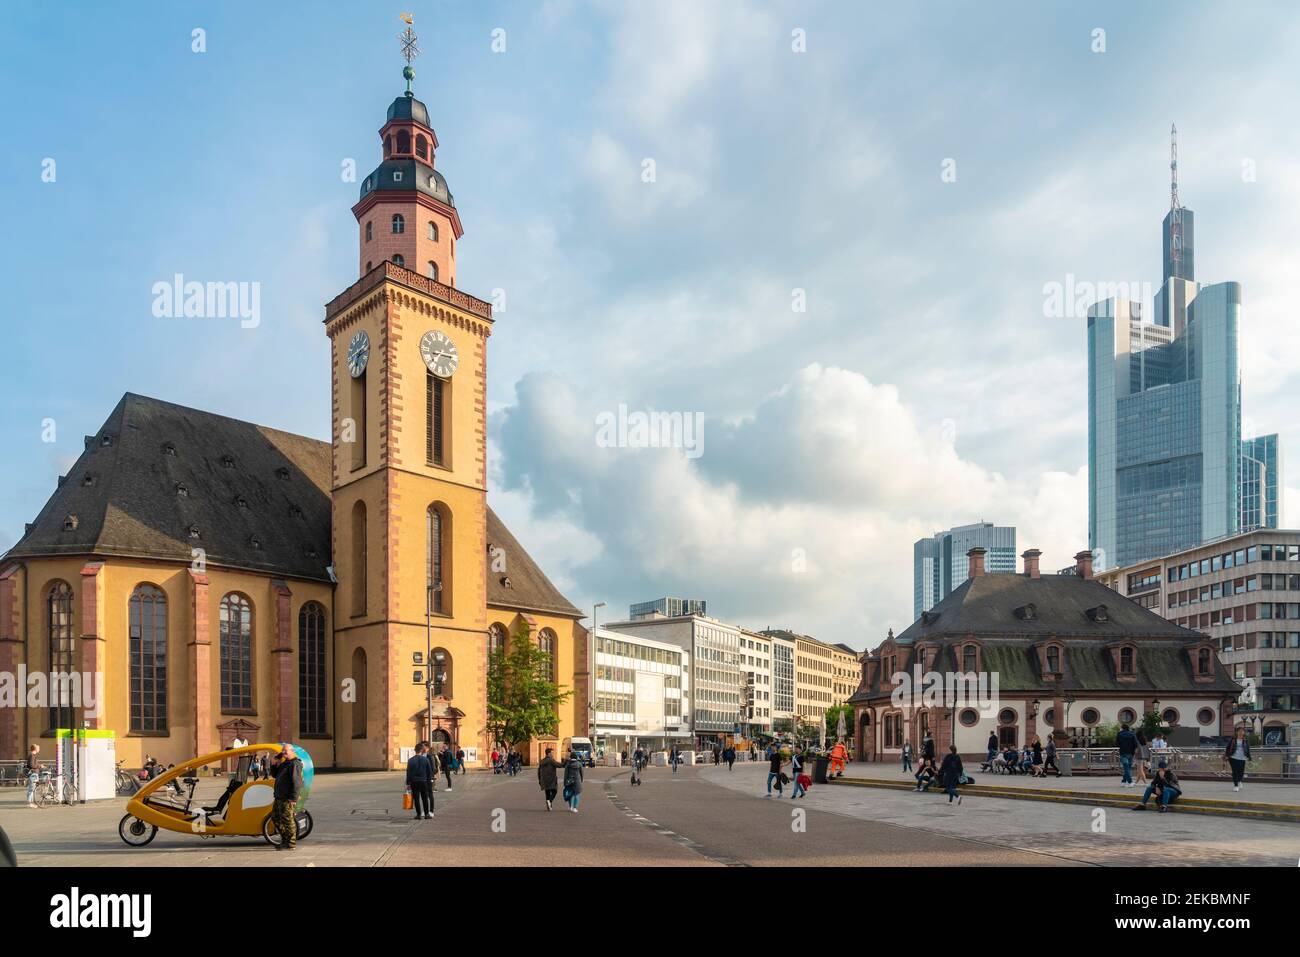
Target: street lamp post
{"points": [[428, 657], [591, 675]]}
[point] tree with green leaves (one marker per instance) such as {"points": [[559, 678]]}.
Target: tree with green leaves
{"points": [[523, 700]]}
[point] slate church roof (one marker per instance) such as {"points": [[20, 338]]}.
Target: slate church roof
{"points": [[160, 479]]}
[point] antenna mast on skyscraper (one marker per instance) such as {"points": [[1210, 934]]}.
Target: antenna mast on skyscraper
{"points": [[1176, 211], [1173, 166]]}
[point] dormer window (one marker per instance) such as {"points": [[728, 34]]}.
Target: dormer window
{"points": [[169, 448], [193, 531], [241, 502], [1203, 661], [1099, 613], [969, 659], [106, 441], [1054, 660], [1126, 666], [87, 480], [929, 617], [397, 176], [1027, 612], [70, 523], [227, 461], [282, 474], [182, 490]]}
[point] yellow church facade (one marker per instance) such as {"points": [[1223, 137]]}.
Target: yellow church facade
{"points": [[219, 579]]}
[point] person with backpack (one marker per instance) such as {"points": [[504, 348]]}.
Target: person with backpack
{"points": [[419, 781], [1165, 787], [1237, 753], [573, 781], [796, 769], [1127, 743], [729, 756], [951, 772], [548, 770]]}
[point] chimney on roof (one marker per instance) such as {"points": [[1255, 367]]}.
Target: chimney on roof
{"points": [[1031, 562], [975, 562], [1083, 564]]}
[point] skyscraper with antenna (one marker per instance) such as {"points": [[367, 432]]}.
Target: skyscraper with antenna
{"points": [[1178, 233]]}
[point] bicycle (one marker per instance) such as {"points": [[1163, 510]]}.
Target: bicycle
{"points": [[125, 781], [47, 791]]}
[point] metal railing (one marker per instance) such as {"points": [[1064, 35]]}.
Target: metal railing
{"points": [[1277, 762]]}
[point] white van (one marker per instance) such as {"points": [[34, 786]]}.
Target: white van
{"points": [[582, 747]]}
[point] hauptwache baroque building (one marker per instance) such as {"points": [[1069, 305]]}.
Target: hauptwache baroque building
{"points": [[227, 579], [1069, 656]]}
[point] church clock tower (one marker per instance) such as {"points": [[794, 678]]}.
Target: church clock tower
{"points": [[409, 509]]}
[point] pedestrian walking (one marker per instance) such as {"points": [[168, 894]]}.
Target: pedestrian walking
{"points": [[774, 771], [796, 769], [1237, 753], [447, 762], [951, 772], [419, 781], [548, 770], [992, 746], [573, 781], [1050, 760], [1142, 760], [496, 761], [32, 765], [729, 756], [288, 787], [460, 761], [1127, 743], [674, 758], [927, 747], [907, 756]]}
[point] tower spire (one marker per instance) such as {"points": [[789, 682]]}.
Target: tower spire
{"points": [[1173, 166], [410, 50]]}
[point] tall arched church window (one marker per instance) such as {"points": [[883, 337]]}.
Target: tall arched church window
{"points": [[62, 647], [236, 652], [147, 660]]}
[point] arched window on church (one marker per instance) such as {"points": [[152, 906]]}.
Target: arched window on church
{"points": [[359, 701], [236, 652], [433, 231], [399, 223], [403, 142], [437, 555], [312, 689], [399, 259], [61, 645], [432, 268], [496, 641], [441, 672], [370, 232], [147, 664], [435, 402], [388, 146], [358, 558], [357, 397], [421, 146], [547, 642]]}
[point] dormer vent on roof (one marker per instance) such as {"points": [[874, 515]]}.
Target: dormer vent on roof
{"points": [[1099, 613], [1027, 612]]}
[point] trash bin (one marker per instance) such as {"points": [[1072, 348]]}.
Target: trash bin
{"points": [[1065, 761], [820, 765]]}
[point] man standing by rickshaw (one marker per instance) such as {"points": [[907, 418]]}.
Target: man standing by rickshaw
{"points": [[287, 771]]}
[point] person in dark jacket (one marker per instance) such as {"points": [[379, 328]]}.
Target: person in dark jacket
{"points": [[1050, 760], [447, 763], [288, 787], [925, 774], [951, 772], [993, 748], [774, 762], [927, 747], [1165, 787], [547, 772], [460, 761], [729, 755], [419, 781], [1237, 753], [1127, 743], [573, 781]]}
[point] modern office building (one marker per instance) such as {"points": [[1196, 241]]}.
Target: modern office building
{"points": [[642, 693], [668, 608], [825, 675], [716, 680], [756, 666], [783, 655], [935, 570], [1243, 591], [1164, 411], [1261, 483]]}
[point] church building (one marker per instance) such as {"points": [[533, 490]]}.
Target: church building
{"points": [[220, 579]]}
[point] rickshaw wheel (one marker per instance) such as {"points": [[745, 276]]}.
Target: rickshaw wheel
{"points": [[135, 832], [272, 836]]}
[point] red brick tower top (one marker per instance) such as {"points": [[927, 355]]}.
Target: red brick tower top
{"points": [[406, 213]]}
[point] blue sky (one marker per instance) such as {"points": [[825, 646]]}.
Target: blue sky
{"points": [[922, 387]]}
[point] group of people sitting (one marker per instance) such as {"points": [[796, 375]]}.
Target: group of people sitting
{"points": [[1034, 759]]}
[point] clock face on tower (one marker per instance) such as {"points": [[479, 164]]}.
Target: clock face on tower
{"points": [[439, 354], [358, 353]]}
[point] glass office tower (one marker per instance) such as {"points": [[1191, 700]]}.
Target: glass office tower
{"points": [[1261, 483], [939, 563], [1164, 413]]}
